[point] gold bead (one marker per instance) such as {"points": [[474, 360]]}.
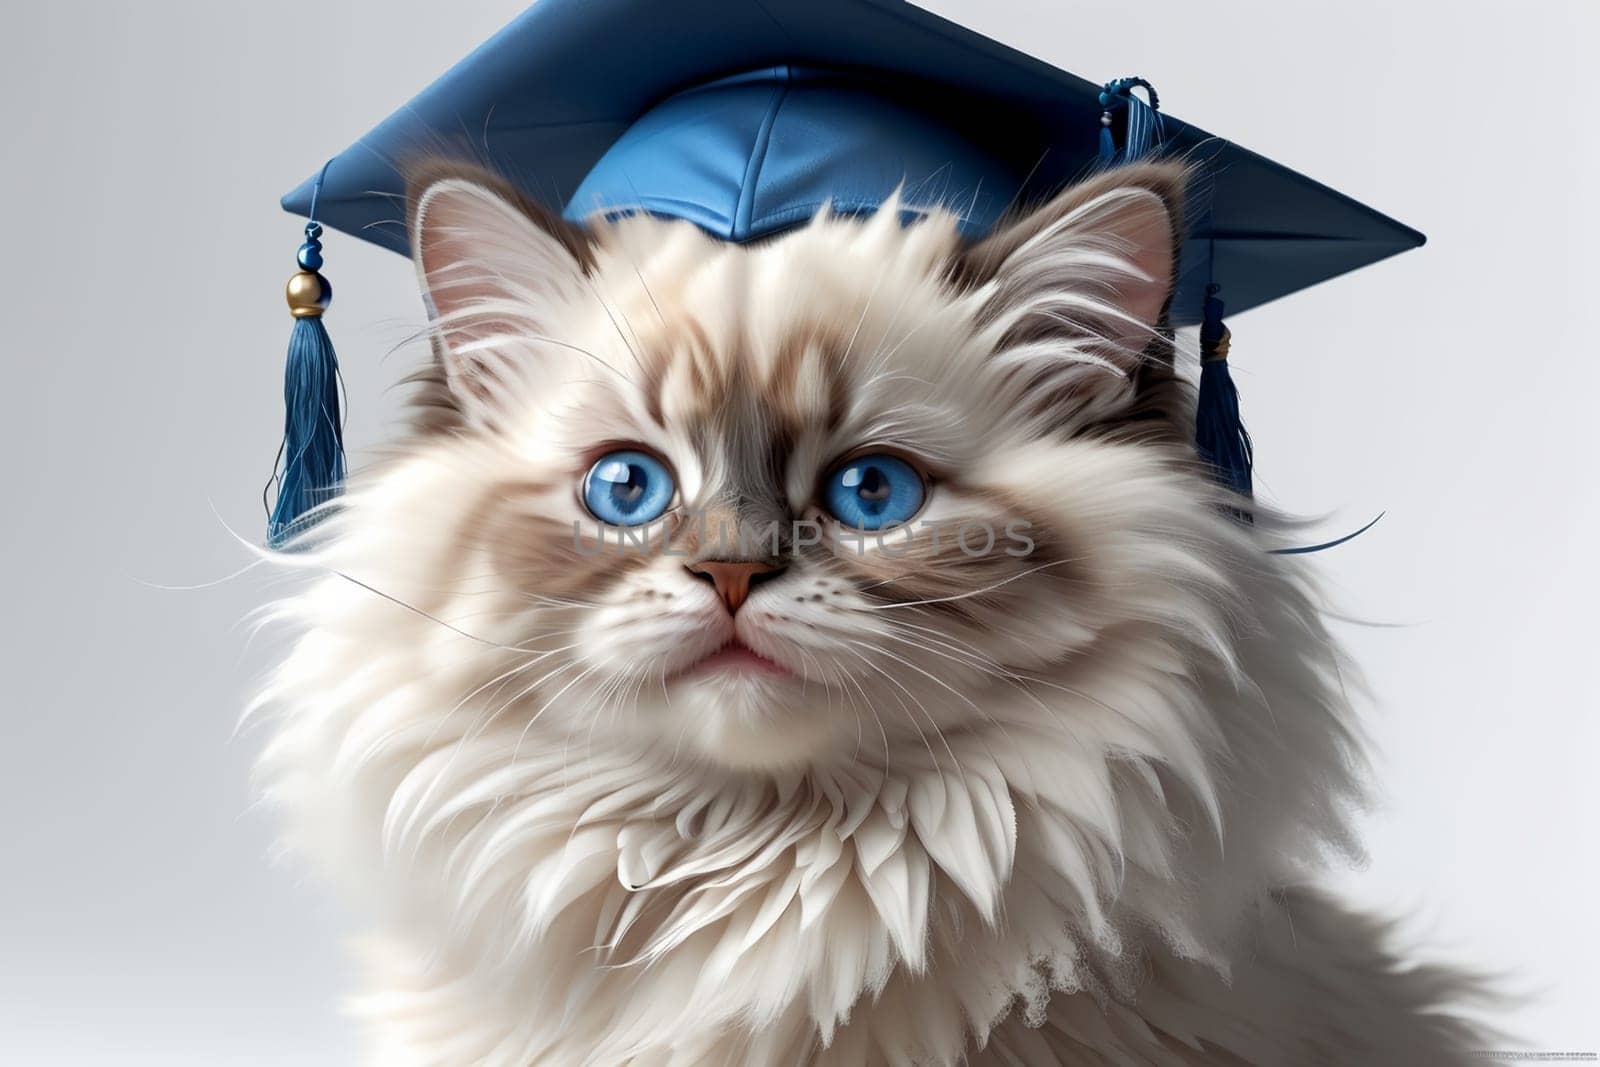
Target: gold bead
{"points": [[1218, 350], [308, 294]]}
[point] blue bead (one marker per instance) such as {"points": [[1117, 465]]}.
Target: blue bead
{"points": [[310, 257]]}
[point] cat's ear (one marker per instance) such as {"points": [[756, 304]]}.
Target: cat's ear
{"points": [[1088, 275], [494, 267]]}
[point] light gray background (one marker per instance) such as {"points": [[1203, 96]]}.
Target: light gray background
{"points": [[145, 147]]}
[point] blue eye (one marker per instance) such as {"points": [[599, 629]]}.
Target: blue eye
{"points": [[627, 488], [873, 492]]}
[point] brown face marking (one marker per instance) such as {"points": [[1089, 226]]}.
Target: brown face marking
{"points": [[744, 425], [805, 386], [533, 552], [807, 359], [931, 571]]}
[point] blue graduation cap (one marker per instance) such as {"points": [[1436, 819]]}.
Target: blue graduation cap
{"points": [[746, 116]]}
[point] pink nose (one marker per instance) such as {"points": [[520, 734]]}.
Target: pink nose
{"points": [[733, 578]]}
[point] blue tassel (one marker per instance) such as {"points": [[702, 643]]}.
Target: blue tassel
{"points": [[1142, 131], [1219, 433], [1220, 436], [311, 461]]}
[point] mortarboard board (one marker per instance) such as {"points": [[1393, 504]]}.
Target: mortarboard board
{"points": [[747, 116]]}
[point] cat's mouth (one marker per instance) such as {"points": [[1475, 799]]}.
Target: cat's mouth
{"points": [[735, 657]]}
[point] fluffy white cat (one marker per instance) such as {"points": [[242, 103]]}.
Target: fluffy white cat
{"points": [[759, 789]]}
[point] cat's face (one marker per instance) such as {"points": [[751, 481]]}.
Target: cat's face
{"points": [[822, 498]]}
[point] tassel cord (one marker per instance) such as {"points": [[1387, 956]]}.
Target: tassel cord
{"points": [[1142, 131]]}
